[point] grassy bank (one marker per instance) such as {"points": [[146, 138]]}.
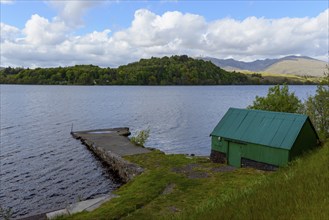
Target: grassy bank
{"points": [[273, 78], [173, 184], [300, 191], [181, 187]]}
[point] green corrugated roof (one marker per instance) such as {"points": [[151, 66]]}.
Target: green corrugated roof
{"points": [[274, 129]]}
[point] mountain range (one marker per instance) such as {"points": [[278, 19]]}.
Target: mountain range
{"points": [[294, 65]]}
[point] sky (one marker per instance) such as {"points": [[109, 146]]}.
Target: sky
{"points": [[109, 33]]}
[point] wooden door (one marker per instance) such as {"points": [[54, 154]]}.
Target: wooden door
{"points": [[234, 154]]}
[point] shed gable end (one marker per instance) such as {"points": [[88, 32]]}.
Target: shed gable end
{"points": [[274, 129]]}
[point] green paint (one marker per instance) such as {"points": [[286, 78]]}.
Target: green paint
{"points": [[234, 154], [274, 129], [305, 141], [269, 137]]}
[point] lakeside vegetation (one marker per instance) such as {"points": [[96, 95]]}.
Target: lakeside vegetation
{"points": [[174, 70], [299, 191], [280, 78], [279, 99], [184, 187], [172, 184]]}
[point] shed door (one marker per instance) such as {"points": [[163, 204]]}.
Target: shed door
{"points": [[234, 154]]}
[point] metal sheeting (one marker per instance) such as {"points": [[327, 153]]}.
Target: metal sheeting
{"points": [[274, 129]]}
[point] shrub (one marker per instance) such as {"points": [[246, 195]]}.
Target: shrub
{"points": [[141, 137], [278, 99], [6, 213], [317, 107]]}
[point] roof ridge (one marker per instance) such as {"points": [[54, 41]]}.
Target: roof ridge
{"points": [[267, 111], [274, 129]]}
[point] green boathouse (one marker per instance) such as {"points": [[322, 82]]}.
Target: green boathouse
{"points": [[261, 139]]}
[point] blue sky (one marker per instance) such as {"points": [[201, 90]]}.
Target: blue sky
{"points": [[119, 14], [63, 22]]}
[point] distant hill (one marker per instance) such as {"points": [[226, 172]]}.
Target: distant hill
{"points": [[174, 70], [294, 65]]}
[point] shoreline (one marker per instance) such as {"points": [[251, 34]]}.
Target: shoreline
{"points": [[104, 144], [110, 145]]}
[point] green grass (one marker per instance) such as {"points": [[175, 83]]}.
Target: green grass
{"points": [[146, 196], [300, 191], [280, 77], [182, 187]]}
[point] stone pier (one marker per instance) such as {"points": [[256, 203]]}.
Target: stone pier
{"points": [[111, 145]]}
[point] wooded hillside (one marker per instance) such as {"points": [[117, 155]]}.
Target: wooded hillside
{"points": [[174, 70]]}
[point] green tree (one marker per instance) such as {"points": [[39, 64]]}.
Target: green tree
{"points": [[278, 99], [317, 107]]}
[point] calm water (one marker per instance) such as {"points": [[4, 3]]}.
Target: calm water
{"points": [[43, 168]]}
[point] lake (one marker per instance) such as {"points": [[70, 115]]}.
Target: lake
{"points": [[43, 168]]}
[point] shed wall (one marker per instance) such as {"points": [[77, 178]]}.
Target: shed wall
{"points": [[275, 156], [305, 141], [217, 145], [265, 154]]}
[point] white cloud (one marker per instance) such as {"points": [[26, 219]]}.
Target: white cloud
{"points": [[52, 43], [261, 37], [72, 11], [39, 31], [8, 32], [6, 1]]}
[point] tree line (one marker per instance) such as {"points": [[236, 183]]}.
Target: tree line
{"points": [[174, 70]]}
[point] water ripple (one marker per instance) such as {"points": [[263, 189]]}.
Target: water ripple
{"points": [[43, 168]]}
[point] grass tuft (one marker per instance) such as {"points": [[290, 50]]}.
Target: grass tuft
{"points": [[300, 191], [181, 187]]}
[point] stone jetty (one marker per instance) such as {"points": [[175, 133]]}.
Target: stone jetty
{"points": [[111, 145]]}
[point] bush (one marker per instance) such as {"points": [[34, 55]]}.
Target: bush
{"points": [[6, 213], [317, 108], [141, 137], [278, 99]]}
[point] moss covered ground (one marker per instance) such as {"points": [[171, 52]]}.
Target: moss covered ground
{"points": [[183, 187]]}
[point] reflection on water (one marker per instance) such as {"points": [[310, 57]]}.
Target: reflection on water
{"points": [[44, 168]]}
